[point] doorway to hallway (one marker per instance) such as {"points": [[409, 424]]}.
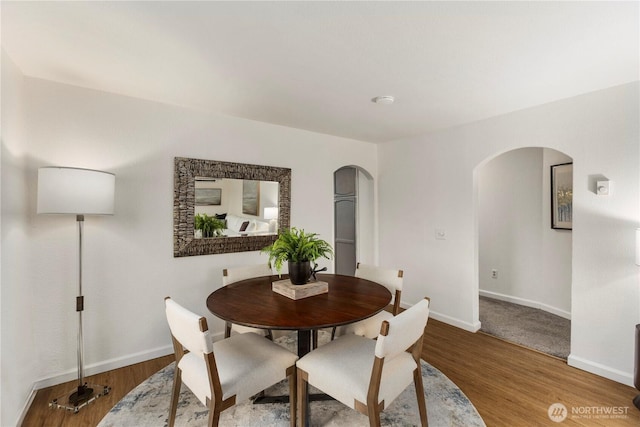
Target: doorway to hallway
{"points": [[524, 264], [353, 219]]}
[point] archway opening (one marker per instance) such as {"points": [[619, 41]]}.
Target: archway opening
{"points": [[353, 218], [524, 264]]}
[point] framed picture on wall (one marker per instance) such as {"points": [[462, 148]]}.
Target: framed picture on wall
{"points": [[250, 197], [208, 196], [562, 196]]}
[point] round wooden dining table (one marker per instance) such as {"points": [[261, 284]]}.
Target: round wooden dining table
{"points": [[252, 302]]}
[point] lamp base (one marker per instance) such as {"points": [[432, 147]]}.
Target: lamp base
{"points": [[80, 397]]}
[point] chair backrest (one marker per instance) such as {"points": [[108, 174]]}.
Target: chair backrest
{"points": [[188, 329], [388, 277], [232, 275], [192, 344], [399, 333]]}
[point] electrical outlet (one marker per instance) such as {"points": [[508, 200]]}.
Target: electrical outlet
{"points": [[494, 274]]}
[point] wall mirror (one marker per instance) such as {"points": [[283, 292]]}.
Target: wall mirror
{"points": [[253, 200]]}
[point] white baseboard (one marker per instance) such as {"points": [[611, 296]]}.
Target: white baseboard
{"points": [[104, 366], [601, 370], [93, 369], [98, 368], [471, 327], [527, 303], [26, 407]]}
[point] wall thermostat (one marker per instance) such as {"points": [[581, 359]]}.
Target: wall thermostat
{"points": [[602, 188]]}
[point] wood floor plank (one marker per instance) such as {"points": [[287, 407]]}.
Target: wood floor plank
{"points": [[513, 386], [510, 385]]}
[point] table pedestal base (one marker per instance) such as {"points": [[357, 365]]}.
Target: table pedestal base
{"points": [[304, 347]]}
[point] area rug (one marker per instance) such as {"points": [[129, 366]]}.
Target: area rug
{"points": [[529, 327], [148, 405]]}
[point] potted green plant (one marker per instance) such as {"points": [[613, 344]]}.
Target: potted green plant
{"points": [[299, 249], [209, 226]]}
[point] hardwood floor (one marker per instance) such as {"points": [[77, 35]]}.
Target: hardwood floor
{"points": [[509, 385], [514, 386], [121, 381]]}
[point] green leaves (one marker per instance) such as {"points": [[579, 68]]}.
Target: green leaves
{"points": [[297, 246], [208, 224]]}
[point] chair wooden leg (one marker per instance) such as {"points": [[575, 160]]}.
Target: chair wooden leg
{"points": [[314, 339], [175, 394], [374, 416], [302, 397], [214, 416], [293, 389], [422, 406]]}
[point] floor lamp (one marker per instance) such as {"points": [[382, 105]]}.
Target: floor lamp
{"points": [[81, 192]]}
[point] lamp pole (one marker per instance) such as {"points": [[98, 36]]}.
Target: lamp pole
{"points": [[83, 393]]}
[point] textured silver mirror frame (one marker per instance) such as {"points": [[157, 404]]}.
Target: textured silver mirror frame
{"points": [[185, 172]]}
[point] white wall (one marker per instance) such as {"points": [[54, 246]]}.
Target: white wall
{"points": [[17, 343], [439, 172], [128, 259], [225, 191], [510, 219], [515, 238], [557, 247]]}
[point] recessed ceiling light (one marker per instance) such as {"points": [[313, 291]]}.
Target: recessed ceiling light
{"points": [[386, 99]]}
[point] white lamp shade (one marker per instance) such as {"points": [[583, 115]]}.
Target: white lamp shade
{"points": [[270, 213], [63, 190]]}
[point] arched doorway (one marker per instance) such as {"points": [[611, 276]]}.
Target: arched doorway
{"points": [[353, 218], [524, 264]]}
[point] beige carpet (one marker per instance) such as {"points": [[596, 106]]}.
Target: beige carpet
{"points": [[529, 327]]}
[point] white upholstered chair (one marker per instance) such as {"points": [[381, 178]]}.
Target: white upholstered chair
{"points": [[227, 372], [392, 280], [365, 374], [232, 275]]}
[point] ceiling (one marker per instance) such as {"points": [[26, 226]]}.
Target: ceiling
{"points": [[317, 65]]}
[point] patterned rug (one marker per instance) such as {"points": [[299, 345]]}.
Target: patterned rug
{"points": [[148, 405]]}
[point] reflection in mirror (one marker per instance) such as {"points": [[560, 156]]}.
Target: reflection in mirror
{"points": [[236, 202], [252, 201]]}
